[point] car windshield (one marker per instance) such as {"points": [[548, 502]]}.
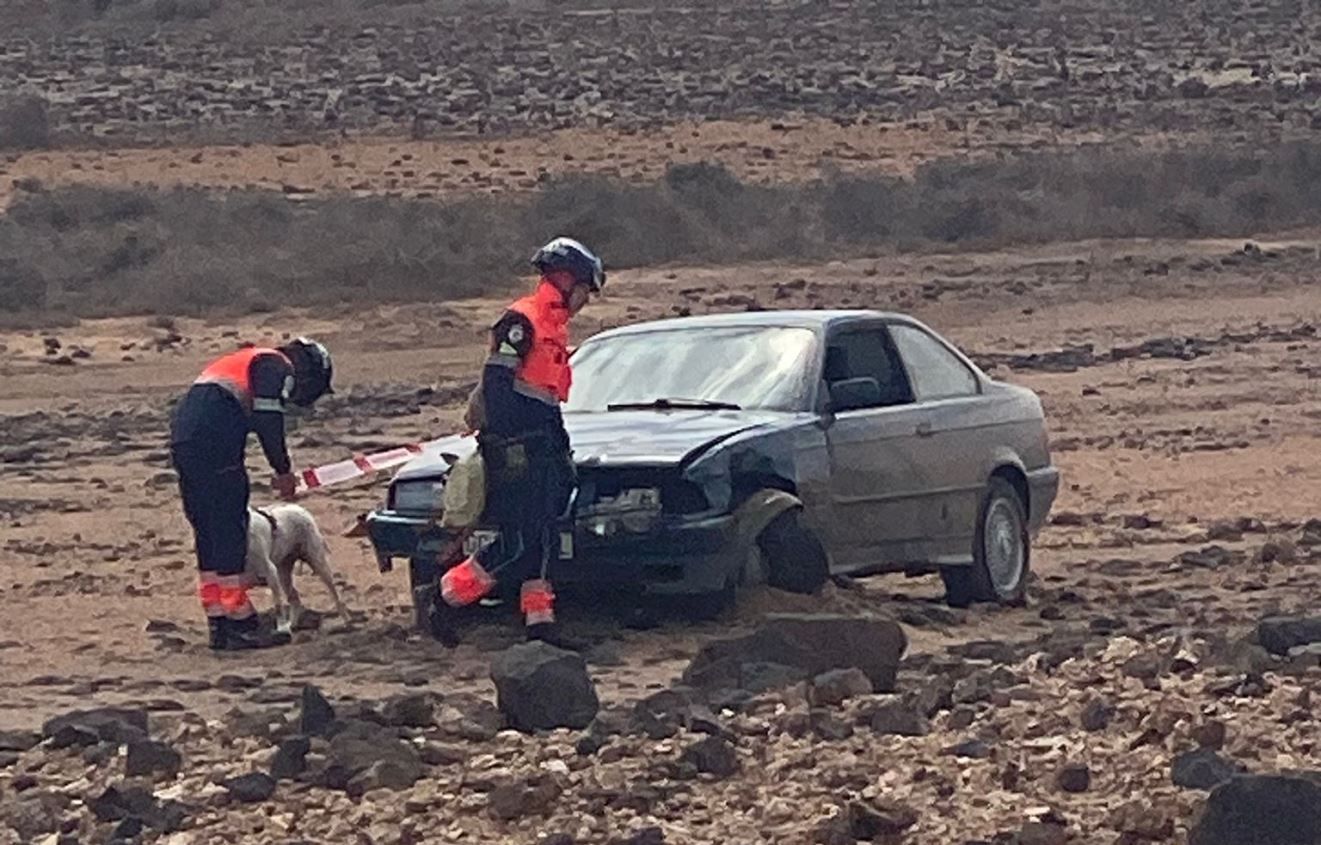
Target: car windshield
{"points": [[750, 367]]}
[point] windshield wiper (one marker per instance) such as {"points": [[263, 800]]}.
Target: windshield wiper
{"points": [[675, 404]]}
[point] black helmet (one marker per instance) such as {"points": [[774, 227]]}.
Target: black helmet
{"points": [[569, 255], [313, 370]]}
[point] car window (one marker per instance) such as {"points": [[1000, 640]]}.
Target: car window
{"points": [[868, 354], [761, 367], [935, 372]]}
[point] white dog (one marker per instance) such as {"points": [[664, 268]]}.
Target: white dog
{"points": [[278, 538]]}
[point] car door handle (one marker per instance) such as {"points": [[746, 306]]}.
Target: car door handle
{"points": [[924, 429]]}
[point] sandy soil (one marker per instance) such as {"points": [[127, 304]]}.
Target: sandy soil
{"points": [[95, 545]]}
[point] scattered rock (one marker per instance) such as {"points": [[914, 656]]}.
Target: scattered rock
{"points": [[1096, 715], [316, 714], [1041, 833], [1260, 810], [972, 749], [290, 758], [148, 757], [897, 718], [1279, 634], [1202, 769], [1139, 821], [645, 836], [828, 727], [1074, 777], [713, 755], [540, 687], [251, 788], [18, 740], [415, 710], [1210, 734], [806, 645], [108, 724], [876, 819], [374, 753], [830, 689]]}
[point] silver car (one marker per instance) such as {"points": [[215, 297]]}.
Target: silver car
{"points": [[774, 446]]}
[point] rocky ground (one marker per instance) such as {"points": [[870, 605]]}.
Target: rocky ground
{"points": [[1181, 387]]}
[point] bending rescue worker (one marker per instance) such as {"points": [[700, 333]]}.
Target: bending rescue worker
{"points": [[238, 393], [523, 444]]}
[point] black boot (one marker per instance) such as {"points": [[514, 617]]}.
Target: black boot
{"points": [[246, 634], [441, 621]]}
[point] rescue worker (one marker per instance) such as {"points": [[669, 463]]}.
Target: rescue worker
{"points": [[520, 434], [244, 391]]}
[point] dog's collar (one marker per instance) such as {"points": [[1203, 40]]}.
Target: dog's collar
{"points": [[267, 516]]}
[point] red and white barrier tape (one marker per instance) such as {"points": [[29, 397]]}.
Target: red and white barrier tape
{"points": [[357, 466]]}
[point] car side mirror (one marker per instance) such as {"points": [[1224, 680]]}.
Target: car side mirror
{"points": [[851, 394]]}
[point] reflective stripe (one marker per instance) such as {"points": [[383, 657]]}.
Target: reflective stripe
{"points": [[225, 595], [537, 601], [466, 583], [499, 359], [268, 405]]}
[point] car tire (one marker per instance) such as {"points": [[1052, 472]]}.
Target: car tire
{"points": [[1001, 553], [422, 584], [795, 560]]}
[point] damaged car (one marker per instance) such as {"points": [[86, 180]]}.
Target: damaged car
{"points": [[775, 447]]}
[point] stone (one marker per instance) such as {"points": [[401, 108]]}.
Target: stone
{"points": [[1279, 634], [73, 736], [415, 710], [808, 645], [1260, 810], [645, 836], [109, 724], [1074, 777], [359, 748], [831, 689], [149, 757], [1138, 821], [1210, 734], [440, 754], [508, 802], [828, 727], [1041, 833], [316, 714], [540, 687], [870, 820], [713, 755], [972, 749], [469, 717], [250, 788], [1096, 715], [290, 759], [897, 718], [1202, 769], [18, 740]]}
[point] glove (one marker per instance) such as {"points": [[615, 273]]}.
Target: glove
{"points": [[285, 485]]}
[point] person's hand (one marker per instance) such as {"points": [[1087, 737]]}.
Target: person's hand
{"points": [[286, 485]]}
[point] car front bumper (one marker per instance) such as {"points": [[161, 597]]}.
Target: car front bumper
{"points": [[681, 556]]}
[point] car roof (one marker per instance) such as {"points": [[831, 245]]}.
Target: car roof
{"points": [[814, 319]]}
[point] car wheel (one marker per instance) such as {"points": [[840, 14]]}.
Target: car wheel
{"points": [[422, 584], [794, 558], [1001, 553]]}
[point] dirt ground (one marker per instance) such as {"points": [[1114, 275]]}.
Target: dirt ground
{"points": [[1163, 453]]}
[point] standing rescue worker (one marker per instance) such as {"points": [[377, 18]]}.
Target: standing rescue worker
{"points": [[242, 392], [523, 444]]}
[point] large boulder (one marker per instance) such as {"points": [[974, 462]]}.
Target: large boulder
{"points": [[1261, 810], [108, 724], [1279, 634], [540, 687], [806, 646]]}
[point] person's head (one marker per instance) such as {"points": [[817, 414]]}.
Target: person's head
{"points": [[313, 371], [572, 268]]}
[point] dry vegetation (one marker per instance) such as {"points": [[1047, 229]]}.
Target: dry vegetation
{"points": [[83, 251]]}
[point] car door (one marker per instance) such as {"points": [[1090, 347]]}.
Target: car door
{"points": [[953, 443], [876, 480]]}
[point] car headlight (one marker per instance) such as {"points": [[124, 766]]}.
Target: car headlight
{"points": [[635, 510], [425, 496]]}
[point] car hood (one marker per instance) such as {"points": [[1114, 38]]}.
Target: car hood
{"points": [[617, 438]]}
